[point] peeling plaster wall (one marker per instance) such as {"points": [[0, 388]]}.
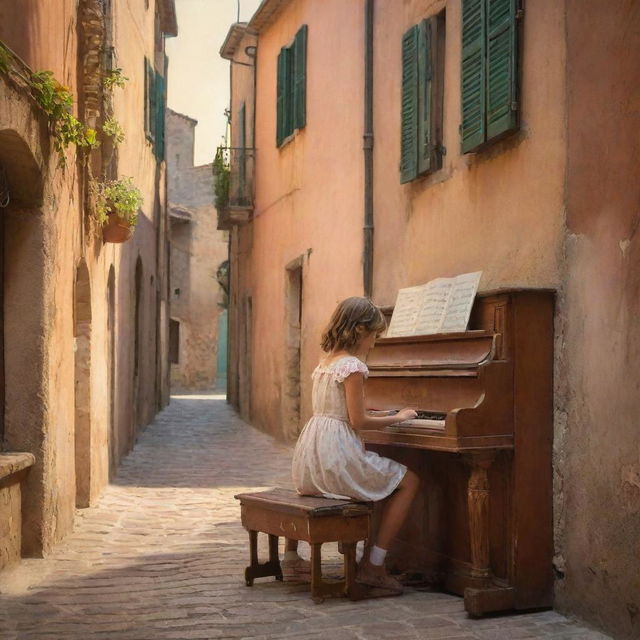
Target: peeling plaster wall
{"points": [[598, 495]]}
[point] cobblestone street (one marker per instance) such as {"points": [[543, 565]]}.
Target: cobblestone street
{"points": [[163, 555]]}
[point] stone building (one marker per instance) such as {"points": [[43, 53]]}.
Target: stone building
{"points": [[85, 340], [536, 190], [198, 250]]}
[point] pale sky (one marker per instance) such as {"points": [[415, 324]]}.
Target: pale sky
{"points": [[198, 83]]}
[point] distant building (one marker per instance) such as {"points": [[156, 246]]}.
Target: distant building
{"points": [[491, 135], [85, 322], [197, 330]]}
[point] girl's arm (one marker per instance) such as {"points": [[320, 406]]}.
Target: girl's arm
{"points": [[358, 416]]}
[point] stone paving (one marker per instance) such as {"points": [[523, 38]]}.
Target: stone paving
{"points": [[162, 557]]}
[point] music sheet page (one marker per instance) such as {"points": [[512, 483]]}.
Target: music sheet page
{"points": [[405, 313], [440, 306], [463, 292]]}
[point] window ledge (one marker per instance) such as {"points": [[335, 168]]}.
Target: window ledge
{"points": [[13, 463]]}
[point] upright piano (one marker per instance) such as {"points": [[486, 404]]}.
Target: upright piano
{"points": [[482, 445]]}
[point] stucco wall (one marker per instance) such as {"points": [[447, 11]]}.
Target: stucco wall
{"points": [[308, 195], [197, 250], [45, 242], [598, 497], [500, 210]]}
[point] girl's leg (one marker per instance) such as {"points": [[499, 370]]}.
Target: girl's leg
{"points": [[397, 509]]}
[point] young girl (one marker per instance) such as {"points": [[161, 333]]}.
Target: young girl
{"points": [[330, 459]]}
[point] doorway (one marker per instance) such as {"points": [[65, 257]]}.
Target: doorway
{"points": [[293, 329], [82, 387]]}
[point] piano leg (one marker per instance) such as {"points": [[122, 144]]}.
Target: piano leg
{"points": [[485, 597]]}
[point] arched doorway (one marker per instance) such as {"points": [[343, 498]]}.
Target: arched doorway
{"points": [[82, 335], [137, 345]]}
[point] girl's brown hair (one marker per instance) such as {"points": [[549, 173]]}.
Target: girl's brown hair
{"points": [[353, 319]]}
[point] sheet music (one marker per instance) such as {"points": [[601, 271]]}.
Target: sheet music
{"points": [[405, 313], [434, 307], [463, 292], [442, 305]]}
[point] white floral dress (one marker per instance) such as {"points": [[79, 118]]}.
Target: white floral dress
{"points": [[330, 459]]}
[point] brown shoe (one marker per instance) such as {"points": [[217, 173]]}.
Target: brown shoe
{"points": [[374, 576]]}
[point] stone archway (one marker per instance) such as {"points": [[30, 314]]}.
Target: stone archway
{"points": [[83, 432], [23, 291]]}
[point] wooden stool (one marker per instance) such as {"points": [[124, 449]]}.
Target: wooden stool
{"points": [[281, 512]]}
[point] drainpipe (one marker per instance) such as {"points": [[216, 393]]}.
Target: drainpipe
{"points": [[367, 262]]}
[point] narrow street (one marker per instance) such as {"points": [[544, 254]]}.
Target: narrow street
{"points": [[163, 554]]}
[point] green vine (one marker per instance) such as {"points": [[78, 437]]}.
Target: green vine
{"points": [[114, 78], [221, 176], [112, 128], [121, 197], [57, 102]]}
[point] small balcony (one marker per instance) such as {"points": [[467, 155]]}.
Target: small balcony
{"points": [[234, 170]]}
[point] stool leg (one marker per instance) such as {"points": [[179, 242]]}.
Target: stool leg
{"points": [[253, 558], [274, 558], [316, 573], [349, 567]]}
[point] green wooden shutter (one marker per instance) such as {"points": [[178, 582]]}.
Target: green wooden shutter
{"points": [[281, 102], [159, 116], [473, 129], [502, 50], [300, 78], [409, 107], [425, 89]]}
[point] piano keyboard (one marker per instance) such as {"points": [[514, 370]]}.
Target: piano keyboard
{"points": [[425, 420]]}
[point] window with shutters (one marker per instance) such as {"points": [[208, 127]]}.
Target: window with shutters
{"points": [[422, 96], [154, 108], [291, 88], [489, 73]]}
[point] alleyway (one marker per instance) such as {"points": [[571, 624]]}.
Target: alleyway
{"points": [[163, 555]]}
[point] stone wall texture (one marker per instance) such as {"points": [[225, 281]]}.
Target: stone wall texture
{"points": [[197, 250], [553, 206]]}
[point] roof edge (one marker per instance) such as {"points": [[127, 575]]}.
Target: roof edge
{"points": [[266, 13], [168, 18], [231, 42]]}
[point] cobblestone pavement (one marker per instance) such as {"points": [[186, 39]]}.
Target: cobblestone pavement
{"points": [[162, 557]]}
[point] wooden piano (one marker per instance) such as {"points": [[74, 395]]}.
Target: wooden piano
{"points": [[482, 444]]}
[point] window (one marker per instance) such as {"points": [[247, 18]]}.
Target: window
{"points": [[174, 342], [489, 75], [292, 82], [154, 107], [422, 95]]}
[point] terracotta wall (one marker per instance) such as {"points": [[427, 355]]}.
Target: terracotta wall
{"points": [[598, 469], [308, 195], [48, 238]]}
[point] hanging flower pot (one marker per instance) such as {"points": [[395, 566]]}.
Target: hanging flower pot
{"points": [[117, 205], [116, 229]]}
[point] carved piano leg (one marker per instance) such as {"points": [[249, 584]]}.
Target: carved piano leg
{"points": [[484, 597], [478, 505]]}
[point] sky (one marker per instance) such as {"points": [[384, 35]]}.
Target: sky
{"points": [[198, 83]]}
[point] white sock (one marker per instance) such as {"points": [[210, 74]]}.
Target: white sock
{"points": [[291, 555], [377, 556]]}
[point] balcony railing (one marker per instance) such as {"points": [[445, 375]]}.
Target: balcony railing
{"points": [[234, 170]]}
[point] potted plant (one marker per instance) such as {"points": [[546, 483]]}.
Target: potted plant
{"points": [[117, 205]]}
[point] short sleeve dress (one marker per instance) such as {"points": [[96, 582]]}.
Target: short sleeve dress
{"points": [[329, 458]]}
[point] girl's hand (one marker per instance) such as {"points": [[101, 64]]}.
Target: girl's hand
{"points": [[406, 414]]}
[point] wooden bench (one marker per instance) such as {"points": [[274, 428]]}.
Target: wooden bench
{"points": [[281, 512]]}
